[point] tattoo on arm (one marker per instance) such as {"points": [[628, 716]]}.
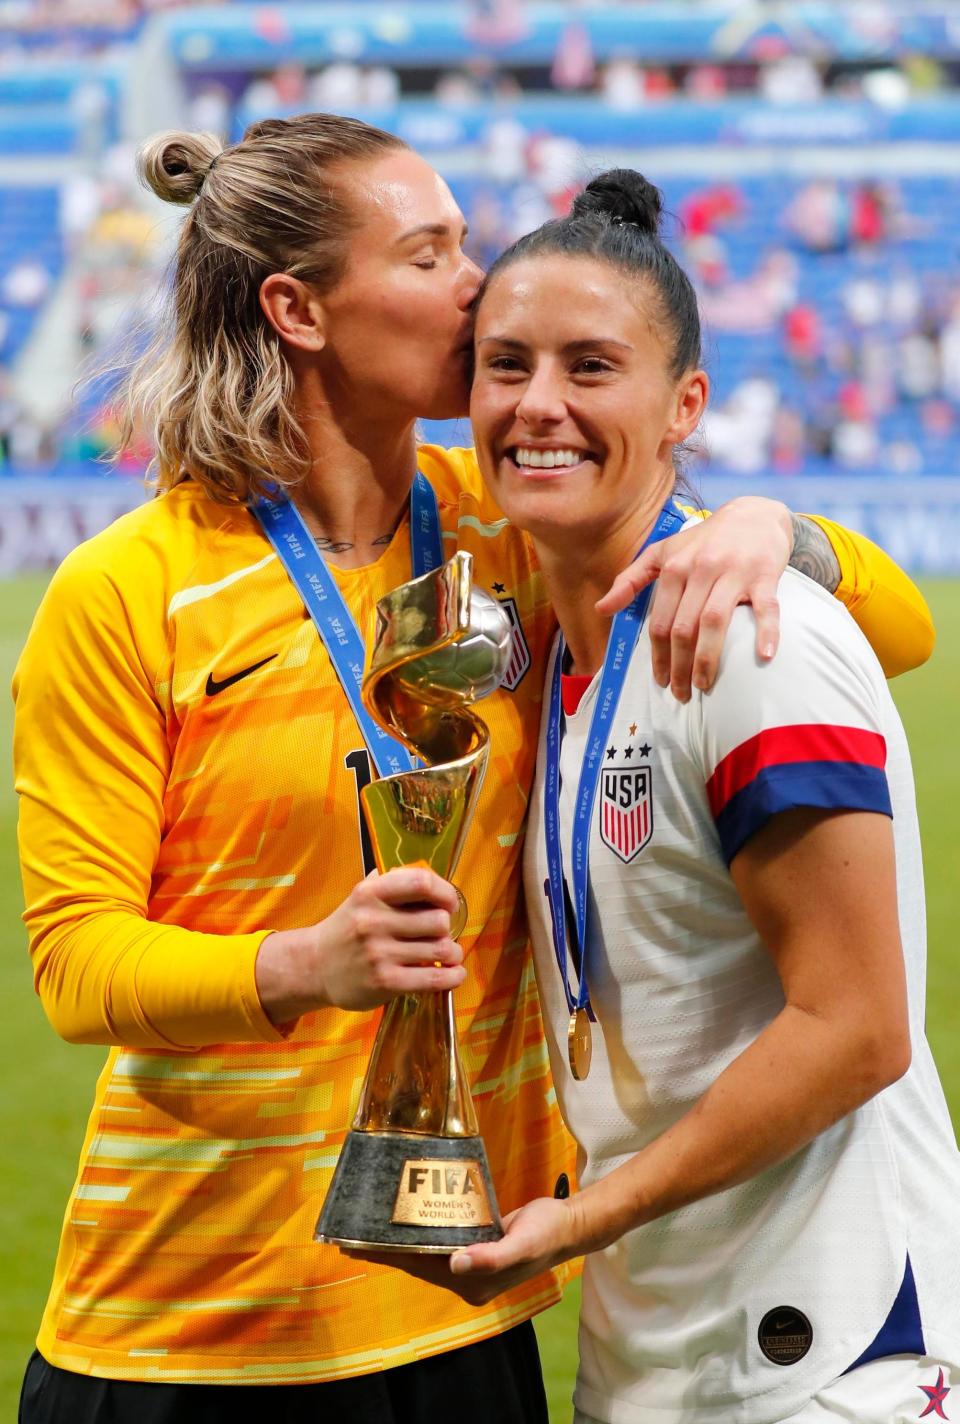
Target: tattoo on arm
{"points": [[813, 553]]}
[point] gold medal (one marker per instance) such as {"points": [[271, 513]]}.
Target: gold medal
{"points": [[579, 1044]]}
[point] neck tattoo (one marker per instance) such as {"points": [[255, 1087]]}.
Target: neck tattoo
{"points": [[343, 546]]}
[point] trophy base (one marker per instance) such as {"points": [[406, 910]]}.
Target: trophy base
{"points": [[402, 1191]]}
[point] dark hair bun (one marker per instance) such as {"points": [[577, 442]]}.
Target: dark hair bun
{"points": [[624, 195]]}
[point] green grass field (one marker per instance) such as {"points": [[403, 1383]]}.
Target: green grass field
{"points": [[47, 1084]]}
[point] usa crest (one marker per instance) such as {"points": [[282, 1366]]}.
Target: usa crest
{"points": [[626, 810], [519, 653]]}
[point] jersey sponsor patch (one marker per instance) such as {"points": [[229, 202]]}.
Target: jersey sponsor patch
{"points": [[785, 1335], [626, 809]]}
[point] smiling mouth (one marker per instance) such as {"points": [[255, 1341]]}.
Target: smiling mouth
{"points": [[526, 457]]}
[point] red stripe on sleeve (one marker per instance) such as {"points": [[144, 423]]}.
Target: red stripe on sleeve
{"points": [[810, 741]]}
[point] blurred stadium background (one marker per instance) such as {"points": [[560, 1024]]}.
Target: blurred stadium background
{"points": [[809, 157]]}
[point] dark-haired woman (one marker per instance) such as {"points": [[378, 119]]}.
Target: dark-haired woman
{"points": [[728, 927], [188, 760]]}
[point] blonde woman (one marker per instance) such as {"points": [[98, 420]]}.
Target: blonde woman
{"points": [[188, 760]]}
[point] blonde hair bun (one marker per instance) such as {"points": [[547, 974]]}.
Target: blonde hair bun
{"points": [[174, 164]]}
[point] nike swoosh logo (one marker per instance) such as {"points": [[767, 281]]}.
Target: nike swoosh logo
{"points": [[213, 687]]}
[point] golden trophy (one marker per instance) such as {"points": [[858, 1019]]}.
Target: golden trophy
{"points": [[413, 1173]]}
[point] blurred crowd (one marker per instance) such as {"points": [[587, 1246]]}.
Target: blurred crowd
{"points": [[623, 82], [833, 341], [827, 342], [73, 27], [838, 345], [115, 263]]}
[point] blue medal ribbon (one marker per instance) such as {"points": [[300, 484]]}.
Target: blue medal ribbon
{"points": [[297, 550], [621, 642]]}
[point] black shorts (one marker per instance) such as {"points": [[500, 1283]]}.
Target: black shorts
{"points": [[496, 1381]]}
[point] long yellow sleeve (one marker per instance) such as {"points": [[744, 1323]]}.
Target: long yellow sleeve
{"points": [[889, 608], [91, 760]]}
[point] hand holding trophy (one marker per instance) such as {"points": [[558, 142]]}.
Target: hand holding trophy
{"points": [[413, 1173]]}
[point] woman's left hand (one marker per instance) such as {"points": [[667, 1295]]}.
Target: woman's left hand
{"points": [[536, 1237], [735, 556]]}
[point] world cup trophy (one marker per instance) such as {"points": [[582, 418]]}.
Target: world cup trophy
{"points": [[413, 1173]]}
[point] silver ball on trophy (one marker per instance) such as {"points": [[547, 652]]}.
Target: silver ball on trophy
{"points": [[473, 665]]}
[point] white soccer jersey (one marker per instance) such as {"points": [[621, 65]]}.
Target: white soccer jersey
{"points": [[851, 1249]]}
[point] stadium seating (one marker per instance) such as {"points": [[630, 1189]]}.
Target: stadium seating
{"points": [[30, 228], [837, 354]]}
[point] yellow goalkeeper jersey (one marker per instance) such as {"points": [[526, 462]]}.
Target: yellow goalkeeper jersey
{"points": [[188, 770]]}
